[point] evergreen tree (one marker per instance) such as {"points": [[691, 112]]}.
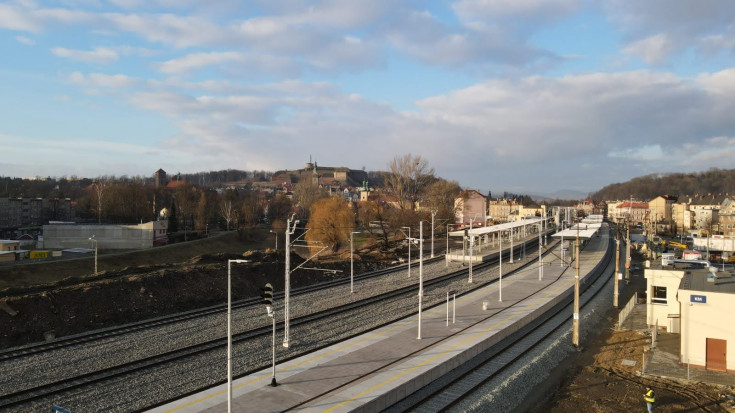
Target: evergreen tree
{"points": [[173, 223]]}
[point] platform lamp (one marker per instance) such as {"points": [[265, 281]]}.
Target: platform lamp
{"points": [[94, 241], [229, 330]]}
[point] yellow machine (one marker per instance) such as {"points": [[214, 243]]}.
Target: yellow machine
{"points": [[674, 244]]}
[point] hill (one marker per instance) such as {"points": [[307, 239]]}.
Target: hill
{"points": [[713, 181]]}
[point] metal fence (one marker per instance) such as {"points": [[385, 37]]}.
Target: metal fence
{"points": [[625, 312]]}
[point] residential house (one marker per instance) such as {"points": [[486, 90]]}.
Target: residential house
{"points": [[470, 205], [727, 217], [632, 212], [500, 210]]}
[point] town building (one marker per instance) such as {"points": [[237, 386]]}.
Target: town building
{"points": [[686, 299], [470, 205], [501, 210], [727, 217], [108, 237], [9, 250], [631, 212], [19, 213], [322, 176], [706, 335]]}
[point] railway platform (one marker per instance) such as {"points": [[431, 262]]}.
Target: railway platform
{"points": [[370, 372]]}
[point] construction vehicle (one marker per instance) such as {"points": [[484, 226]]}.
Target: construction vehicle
{"points": [[674, 244]]}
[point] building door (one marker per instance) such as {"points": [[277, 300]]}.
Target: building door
{"points": [[716, 354]]}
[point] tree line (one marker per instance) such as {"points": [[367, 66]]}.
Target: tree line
{"points": [[713, 181]]}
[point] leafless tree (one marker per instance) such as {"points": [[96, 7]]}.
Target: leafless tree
{"points": [[99, 190], [307, 192], [227, 212], [409, 177]]}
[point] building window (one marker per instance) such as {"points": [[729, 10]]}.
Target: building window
{"points": [[659, 295]]}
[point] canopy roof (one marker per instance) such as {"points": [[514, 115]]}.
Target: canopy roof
{"points": [[497, 228], [580, 230]]}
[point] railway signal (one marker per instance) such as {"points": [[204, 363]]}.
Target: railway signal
{"points": [[267, 296]]}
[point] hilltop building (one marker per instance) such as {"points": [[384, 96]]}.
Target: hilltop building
{"points": [[321, 176]]}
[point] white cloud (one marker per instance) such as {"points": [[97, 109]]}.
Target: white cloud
{"points": [[196, 61], [98, 55], [653, 50], [25, 40], [683, 25], [102, 80], [471, 10]]}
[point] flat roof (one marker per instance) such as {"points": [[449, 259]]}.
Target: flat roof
{"points": [[579, 230], [497, 228], [724, 282]]}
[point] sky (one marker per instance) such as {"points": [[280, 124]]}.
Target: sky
{"points": [[529, 96]]}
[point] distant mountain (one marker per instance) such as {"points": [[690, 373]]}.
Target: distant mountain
{"points": [[563, 194], [711, 182]]}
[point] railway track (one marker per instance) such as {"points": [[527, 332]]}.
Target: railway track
{"points": [[88, 337], [71, 383], [449, 390]]}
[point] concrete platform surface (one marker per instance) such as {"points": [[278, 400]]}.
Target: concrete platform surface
{"points": [[372, 371]]}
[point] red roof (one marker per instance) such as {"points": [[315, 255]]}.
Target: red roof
{"points": [[643, 205], [175, 184]]}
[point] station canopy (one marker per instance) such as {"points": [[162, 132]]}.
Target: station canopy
{"points": [[496, 228], [580, 230]]}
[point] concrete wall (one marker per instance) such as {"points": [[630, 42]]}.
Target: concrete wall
{"points": [[109, 237], [700, 321], [660, 312]]}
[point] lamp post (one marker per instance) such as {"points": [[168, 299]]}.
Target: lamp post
{"points": [[540, 256], [500, 272], [446, 256], [274, 232], [94, 241], [472, 245], [352, 267], [433, 214], [290, 229], [229, 331], [408, 242], [421, 272]]}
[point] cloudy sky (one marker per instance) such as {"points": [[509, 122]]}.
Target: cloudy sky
{"points": [[519, 95]]}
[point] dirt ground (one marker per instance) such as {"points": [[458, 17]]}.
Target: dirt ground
{"points": [[597, 381], [147, 284]]}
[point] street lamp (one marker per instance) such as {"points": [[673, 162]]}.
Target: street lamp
{"points": [[274, 232], [446, 257], [229, 331], [352, 265], [94, 241], [472, 245]]}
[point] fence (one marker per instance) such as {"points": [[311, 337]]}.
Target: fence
{"points": [[625, 312]]}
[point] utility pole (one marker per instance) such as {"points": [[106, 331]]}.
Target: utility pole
{"points": [[575, 325], [510, 260], [540, 259], [500, 276], [617, 268], [627, 256], [421, 271], [433, 214], [290, 228]]}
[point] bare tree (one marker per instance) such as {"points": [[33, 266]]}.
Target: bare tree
{"points": [[409, 177], [99, 190], [307, 192], [227, 212]]}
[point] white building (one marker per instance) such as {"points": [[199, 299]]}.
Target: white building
{"points": [[108, 237], [707, 333]]}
